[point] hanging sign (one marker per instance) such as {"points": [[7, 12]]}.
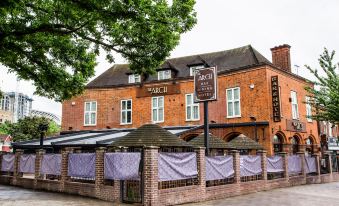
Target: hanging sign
{"points": [[275, 99], [205, 84]]}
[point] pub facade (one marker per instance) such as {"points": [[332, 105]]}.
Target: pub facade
{"points": [[260, 99]]}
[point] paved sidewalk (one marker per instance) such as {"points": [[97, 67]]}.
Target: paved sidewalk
{"points": [[306, 195]]}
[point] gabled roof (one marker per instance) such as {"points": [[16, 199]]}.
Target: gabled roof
{"points": [[150, 135], [214, 142], [5, 137], [226, 61], [243, 142]]}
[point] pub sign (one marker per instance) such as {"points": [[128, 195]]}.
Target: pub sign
{"points": [[275, 99], [205, 84]]}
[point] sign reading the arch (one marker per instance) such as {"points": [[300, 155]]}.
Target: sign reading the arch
{"points": [[275, 99], [205, 84]]}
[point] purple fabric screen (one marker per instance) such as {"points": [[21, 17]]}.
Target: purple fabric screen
{"points": [[311, 165], [275, 164], [27, 163], [250, 165], [219, 167], [51, 164], [81, 165], [294, 164], [7, 163], [122, 166], [177, 166]]}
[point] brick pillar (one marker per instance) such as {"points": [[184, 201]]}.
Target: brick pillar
{"points": [[263, 155], [99, 170], [38, 159], [18, 154], [236, 165], [64, 166], [317, 159], [285, 164], [303, 164], [116, 183], [151, 190], [201, 171]]}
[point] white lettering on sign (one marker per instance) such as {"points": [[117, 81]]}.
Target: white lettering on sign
{"points": [[157, 90]]}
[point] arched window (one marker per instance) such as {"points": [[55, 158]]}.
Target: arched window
{"points": [[277, 143], [295, 144], [309, 145]]}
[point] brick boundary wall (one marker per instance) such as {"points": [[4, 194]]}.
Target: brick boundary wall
{"points": [[152, 195]]}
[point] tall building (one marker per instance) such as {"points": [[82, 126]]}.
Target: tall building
{"points": [[261, 99], [17, 103]]}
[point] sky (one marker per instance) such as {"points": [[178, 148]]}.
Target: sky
{"points": [[306, 25]]}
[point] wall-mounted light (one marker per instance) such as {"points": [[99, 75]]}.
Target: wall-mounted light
{"points": [[251, 86], [73, 103]]}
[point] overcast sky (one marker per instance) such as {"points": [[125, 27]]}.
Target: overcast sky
{"points": [[307, 25]]}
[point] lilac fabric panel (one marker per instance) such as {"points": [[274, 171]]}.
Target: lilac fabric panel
{"points": [[81, 165], [219, 167], [275, 164], [177, 166], [51, 164], [7, 163], [294, 164], [311, 165], [27, 163], [122, 166], [250, 165]]}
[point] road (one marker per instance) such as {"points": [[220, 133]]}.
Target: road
{"points": [[308, 195]]}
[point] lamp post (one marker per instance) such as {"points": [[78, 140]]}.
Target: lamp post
{"points": [[43, 127]]}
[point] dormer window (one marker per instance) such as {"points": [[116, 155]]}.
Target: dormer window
{"points": [[164, 74], [134, 78], [193, 68]]}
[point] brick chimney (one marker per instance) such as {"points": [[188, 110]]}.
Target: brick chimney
{"points": [[281, 57]]}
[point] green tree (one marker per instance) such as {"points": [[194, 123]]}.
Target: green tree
{"points": [[28, 128], [54, 43], [325, 94], [5, 127]]}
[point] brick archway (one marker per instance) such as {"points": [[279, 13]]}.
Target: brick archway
{"points": [[190, 136], [231, 136]]}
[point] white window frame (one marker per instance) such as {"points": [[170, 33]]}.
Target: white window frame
{"points": [[294, 102], [233, 100], [126, 110], [308, 109], [134, 78], [192, 68], [157, 109], [90, 112], [192, 105], [164, 74]]}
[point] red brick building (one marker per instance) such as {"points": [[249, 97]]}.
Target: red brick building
{"points": [[262, 100]]}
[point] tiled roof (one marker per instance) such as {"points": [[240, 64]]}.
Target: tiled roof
{"points": [[226, 61], [214, 142], [243, 142], [150, 135]]}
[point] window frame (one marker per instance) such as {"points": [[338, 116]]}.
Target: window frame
{"points": [[296, 112], [133, 77], [126, 110], [192, 105], [308, 109], [157, 109], [163, 74], [233, 101], [90, 112]]}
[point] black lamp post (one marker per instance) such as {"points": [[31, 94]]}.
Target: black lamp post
{"points": [[43, 129]]}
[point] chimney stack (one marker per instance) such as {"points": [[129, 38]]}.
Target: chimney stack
{"points": [[281, 57]]}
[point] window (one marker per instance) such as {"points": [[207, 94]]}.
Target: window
{"points": [[193, 68], [192, 109], [165, 74], [90, 113], [295, 113], [134, 78], [233, 102], [308, 110], [157, 109], [126, 112]]}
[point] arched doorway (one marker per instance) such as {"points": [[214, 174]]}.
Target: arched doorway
{"points": [[295, 144], [231, 136], [278, 141]]}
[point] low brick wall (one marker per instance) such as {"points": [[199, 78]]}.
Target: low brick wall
{"points": [[180, 195]]}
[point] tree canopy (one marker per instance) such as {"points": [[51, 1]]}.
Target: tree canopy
{"points": [[28, 128], [54, 43], [325, 94]]}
